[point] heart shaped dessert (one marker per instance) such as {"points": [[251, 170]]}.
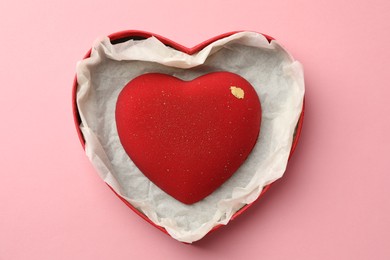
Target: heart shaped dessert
{"points": [[188, 137], [175, 132]]}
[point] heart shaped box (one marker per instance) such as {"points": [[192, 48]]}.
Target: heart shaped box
{"points": [[134, 35]]}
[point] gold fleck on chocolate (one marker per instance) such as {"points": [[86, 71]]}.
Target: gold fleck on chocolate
{"points": [[237, 92]]}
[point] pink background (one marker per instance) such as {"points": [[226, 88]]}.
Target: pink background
{"points": [[334, 201]]}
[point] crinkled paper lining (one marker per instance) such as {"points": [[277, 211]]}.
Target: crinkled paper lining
{"points": [[275, 75]]}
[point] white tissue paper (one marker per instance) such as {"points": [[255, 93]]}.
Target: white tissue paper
{"points": [[275, 75]]}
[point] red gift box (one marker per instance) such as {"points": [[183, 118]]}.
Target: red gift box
{"points": [[140, 35]]}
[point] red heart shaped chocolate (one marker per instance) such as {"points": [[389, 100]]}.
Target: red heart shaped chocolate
{"points": [[188, 137]]}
